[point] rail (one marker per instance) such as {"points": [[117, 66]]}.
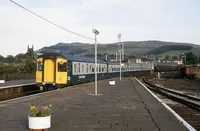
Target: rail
{"points": [[187, 100]]}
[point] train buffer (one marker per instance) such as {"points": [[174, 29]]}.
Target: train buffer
{"points": [[126, 106]]}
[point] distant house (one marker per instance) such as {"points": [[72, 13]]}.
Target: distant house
{"points": [[177, 61], [147, 60], [135, 60]]}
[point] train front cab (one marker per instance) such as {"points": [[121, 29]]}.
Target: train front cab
{"points": [[52, 72]]}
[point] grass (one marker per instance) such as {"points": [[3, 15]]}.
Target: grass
{"points": [[196, 51]]}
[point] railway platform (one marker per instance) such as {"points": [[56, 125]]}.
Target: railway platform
{"points": [[14, 83], [126, 106]]}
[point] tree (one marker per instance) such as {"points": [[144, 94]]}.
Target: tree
{"points": [[20, 57], [191, 58], [157, 58], [30, 65], [10, 59], [2, 58], [174, 58], [99, 55], [198, 59], [112, 56], [167, 57]]}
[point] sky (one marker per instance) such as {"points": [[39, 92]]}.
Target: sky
{"points": [[135, 20]]}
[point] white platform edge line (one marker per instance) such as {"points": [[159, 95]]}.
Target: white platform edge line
{"points": [[172, 111], [3, 87]]}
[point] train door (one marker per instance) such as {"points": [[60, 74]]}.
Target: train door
{"points": [[39, 71], [61, 71], [70, 70], [49, 70]]}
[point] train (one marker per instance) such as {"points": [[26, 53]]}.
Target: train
{"points": [[190, 71], [55, 70]]}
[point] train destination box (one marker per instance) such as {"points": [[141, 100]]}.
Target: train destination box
{"points": [[2, 81], [111, 82]]}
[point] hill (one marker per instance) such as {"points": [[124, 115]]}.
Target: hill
{"points": [[130, 47], [168, 48]]}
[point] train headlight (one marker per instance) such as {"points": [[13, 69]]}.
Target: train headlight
{"points": [[69, 78], [41, 88]]}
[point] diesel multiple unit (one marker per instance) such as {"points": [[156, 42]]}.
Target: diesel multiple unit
{"points": [[58, 70]]}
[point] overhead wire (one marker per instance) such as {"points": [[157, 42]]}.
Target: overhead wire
{"points": [[55, 23], [50, 21]]}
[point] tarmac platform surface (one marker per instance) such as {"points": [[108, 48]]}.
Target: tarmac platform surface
{"points": [[126, 106]]}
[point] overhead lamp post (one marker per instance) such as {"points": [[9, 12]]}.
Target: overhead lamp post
{"points": [[96, 33]]}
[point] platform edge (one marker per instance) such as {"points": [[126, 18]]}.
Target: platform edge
{"points": [[188, 126]]}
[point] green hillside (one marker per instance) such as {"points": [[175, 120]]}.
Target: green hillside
{"points": [[196, 51], [159, 48]]}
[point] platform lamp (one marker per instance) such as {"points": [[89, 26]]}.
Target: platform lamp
{"points": [[96, 33]]}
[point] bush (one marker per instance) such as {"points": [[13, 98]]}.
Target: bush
{"points": [[39, 111]]}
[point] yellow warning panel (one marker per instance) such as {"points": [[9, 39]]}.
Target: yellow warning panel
{"points": [[49, 70]]}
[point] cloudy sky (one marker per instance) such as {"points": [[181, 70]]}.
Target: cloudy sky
{"points": [[136, 20]]}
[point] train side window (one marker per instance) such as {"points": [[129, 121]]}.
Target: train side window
{"points": [[62, 66], [79, 68], [82, 68], [74, 68], [39, 66], [92, 69], [99, 68], [87, 68]]}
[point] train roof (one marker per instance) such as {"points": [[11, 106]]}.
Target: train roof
{"points": [[113, 62], [166, 63], [72, 57]]}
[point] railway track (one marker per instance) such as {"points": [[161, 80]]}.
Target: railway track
{"points": [[190, 101], [189, 107]]}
